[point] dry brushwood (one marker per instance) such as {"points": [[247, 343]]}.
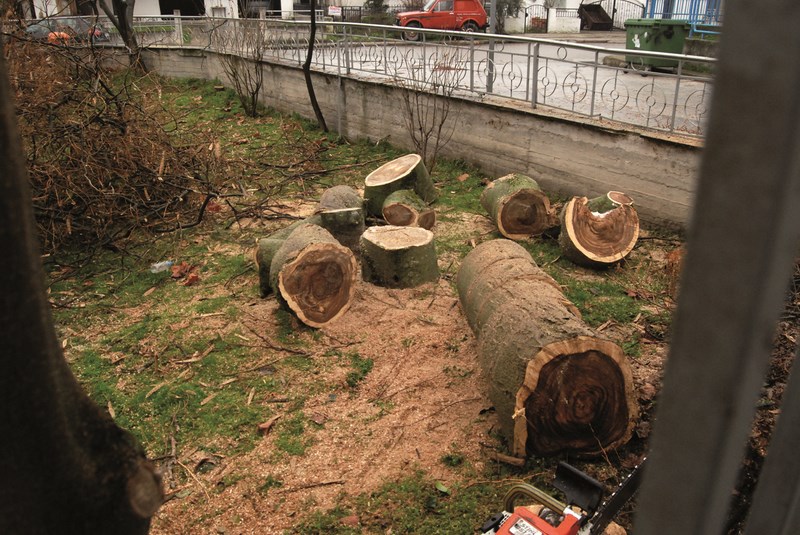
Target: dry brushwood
{"points": [[99, 162]]}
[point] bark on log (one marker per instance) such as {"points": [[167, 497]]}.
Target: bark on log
{"points": [[314, 275], [267, 247], [404, 208], [517, 205], [556, 387], [599, 232], [339, 197], [399, 257], [406, 172], [341, 212]]}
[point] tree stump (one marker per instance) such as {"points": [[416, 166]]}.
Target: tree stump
{"points": [[398, 257], [599, 232], [556, 387], [404, 208], [314, 275], [341, 212], [518, 206], [406, 172]]}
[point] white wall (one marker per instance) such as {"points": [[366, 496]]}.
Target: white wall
{"points": [[146, 8], [556, 24]]}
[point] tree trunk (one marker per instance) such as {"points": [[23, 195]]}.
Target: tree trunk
{"points": [[599, 232], [65, 465], [517, 205], [406, 172], [120, 13], [314, 275], [307, 69], [556, 387], [341, 211], [399, 257], [404, 208]]}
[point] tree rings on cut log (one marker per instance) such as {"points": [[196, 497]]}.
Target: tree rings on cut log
{"points": [[577, 397], [398, 257], [314, 275], [599, 232], [267, 247], [518, 206], [406, 172], [404, 208], [517, 311]]}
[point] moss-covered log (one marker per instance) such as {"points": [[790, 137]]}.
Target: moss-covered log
{"points": [[599, 232], [314, 275], [398, 257], [555, 385], [341, 212], [406, 172], [404, 208], [518, 206]]}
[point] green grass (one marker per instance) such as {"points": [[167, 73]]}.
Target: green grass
{"points": [[360, 369], [291, 437], [601, 301]]}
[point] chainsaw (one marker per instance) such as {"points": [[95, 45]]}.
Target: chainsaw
{"points": [[583, 513]]}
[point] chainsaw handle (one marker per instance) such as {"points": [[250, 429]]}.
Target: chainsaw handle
{"points": [[523, 490]]}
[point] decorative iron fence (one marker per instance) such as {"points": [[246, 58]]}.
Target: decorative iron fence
{"points": [[603, 85]]}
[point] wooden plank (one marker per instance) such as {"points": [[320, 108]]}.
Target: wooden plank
{"points": [[744, 235]]}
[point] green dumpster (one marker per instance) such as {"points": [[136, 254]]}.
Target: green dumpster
{"points": [[655, 35]]}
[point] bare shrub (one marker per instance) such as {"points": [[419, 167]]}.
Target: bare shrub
{"points": [[427, 91], [244, 44]]}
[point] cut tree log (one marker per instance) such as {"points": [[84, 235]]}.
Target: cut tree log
{"points": [[398, 257], [404, 208], [314, 275], [555, 385], [406, 172], [341, 212], [518, 206], [599, 232], [267, 247]]}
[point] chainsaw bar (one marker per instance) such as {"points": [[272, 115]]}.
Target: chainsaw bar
{"points": [[617, 500]]}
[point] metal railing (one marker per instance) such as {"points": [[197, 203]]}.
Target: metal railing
{"points": [[608, 86]]}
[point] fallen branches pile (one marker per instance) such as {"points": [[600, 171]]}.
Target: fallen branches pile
{"points": [[99, 162]]}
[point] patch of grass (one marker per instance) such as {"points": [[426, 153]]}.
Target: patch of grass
{"points": [[330, 522], [269, 483], [361, 367], [601, 301], [452, 459], [291, 437]]}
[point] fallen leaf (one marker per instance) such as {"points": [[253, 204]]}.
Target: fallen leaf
{"points": [[191, 279], [111, 410], [250, 396], [441, 488], [213, 207], [318, 418], [208, 398], [462, 178], [351, 521], [148, 292], [227, 381], [155, 389], [181, 270], [263, 428]]}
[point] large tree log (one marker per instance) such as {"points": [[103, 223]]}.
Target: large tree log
{"points": [[404, 208], [399, 257], [65, 466], [267, 247], [341, 212], [314, 275], [599, 232], [556, 387], [406, 172], [518, 206]]}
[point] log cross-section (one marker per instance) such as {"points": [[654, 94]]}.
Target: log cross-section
{"points": [[599, 232], [314, 275], [518, 206], [406, 172], [555, 385], [399, 257]]}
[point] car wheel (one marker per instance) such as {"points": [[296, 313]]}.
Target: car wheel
{"points": [[469, 27], [411, 35]]}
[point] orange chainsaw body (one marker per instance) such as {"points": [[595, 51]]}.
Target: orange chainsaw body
{"points": [[524, 522]]}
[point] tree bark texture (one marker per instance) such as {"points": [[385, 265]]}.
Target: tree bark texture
{"points": [[518, 206], [399, 257], [555, 385], [599, 232], [66, 467], [406, 172], [341, 212], [267, 247], [307, 69], [404, 208], [314, 275]]}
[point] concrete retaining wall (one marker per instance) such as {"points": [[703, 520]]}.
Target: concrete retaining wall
{"points": [[564, 155]]}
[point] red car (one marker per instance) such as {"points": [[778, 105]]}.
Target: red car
{"points": [[464, 15]]}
